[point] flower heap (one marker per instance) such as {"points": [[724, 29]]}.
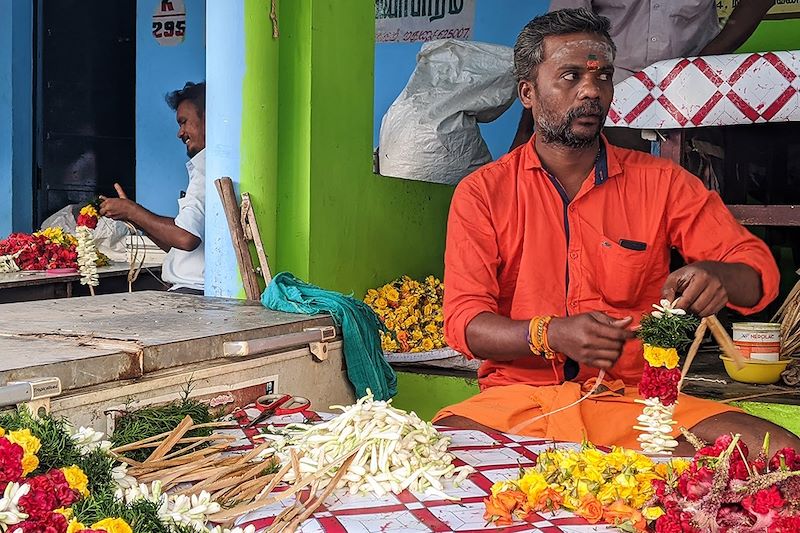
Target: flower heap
{"points": [[45, 250], [613, 487], [412, 313], [34, 503], [38, 499], [724, 490], [86, 248], [664, 332]]}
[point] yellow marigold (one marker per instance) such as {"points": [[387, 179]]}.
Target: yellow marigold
{"points": [[502, 486], [113, 525], [29, 463], [427, 345], [75, 526], [381, 303], [658, 356], [2, 432], [77, 479], [89, 210], [392, 296], [533, 484]]}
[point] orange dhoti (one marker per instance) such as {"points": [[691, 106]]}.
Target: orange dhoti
{"points": [[606, 418]]}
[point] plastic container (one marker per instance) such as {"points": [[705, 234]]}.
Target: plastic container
{"points": [[758, 372], [760, 341]]}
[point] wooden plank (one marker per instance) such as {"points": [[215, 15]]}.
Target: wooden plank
{"points": [[232, 214], [252, 233], [766, 215]]}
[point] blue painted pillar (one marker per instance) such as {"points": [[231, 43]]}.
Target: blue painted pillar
{"points": [[225, 68]]}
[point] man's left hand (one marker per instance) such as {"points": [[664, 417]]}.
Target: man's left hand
{"points": [[118, 208], [700, 289]]}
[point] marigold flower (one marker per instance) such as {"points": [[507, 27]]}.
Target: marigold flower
{"points": [[113, 525]]}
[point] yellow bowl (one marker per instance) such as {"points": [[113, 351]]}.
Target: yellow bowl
{"points": [[758, 372]]}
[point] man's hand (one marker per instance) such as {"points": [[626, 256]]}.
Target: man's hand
{"points": [[593, 339], [700, 287], [118, 208]]}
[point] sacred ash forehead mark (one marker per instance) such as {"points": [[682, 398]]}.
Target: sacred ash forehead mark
{"points": [[596, 50]]}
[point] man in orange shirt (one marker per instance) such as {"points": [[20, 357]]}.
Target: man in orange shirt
{"points": [[571, 227]]}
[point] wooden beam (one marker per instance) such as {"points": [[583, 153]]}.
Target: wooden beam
{"points": [[766, 215], [231, 207]]}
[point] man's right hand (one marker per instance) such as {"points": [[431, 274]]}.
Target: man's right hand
{"points": [[593, 339], [118, 208]]}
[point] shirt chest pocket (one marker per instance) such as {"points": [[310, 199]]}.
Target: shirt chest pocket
{"points": [[621, 271]]}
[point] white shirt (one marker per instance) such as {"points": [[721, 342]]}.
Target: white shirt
{"points": [[182, 268], [647, 31]]}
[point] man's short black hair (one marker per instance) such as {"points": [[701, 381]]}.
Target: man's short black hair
{"points": [[194, 92], [529, 49]]}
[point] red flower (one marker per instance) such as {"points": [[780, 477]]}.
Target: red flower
{"points": [[10, 462], [46, 523], [763, 501], [786, 524], [696, 482], [48, 492], [788, 457], [660, 382], [88, 221], [675, 521]]}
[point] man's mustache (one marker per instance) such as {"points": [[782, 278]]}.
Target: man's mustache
{"points": [[590, 109]]}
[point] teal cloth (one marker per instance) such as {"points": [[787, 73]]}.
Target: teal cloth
{"points": [[366, 365]]}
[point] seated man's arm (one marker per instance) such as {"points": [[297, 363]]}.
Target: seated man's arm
{"points": [[743, 21], [473, 323], [162, 230], [728, 265]]}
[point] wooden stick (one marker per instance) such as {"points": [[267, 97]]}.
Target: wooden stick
{"points": [[139, 443], [316, 503], [724, 340], [230, 207], [759, 395], [698, 339]]}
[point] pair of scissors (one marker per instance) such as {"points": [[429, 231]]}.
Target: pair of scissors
{"points": [[279, 404]]}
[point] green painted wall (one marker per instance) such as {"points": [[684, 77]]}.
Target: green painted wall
{"points": [[339, 225], [774, 35]]}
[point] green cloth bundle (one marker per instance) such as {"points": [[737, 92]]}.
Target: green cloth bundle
{"points": [[366, 365]]}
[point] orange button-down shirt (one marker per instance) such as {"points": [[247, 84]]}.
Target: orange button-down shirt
{"points": [[516, 247]]}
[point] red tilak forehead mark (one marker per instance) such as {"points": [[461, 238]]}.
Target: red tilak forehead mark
{"points": [[592, 63]]}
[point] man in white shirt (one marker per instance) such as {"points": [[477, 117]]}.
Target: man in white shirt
{"points": [[181, 237]]}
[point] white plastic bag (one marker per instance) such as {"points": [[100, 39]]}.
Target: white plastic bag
{"points": [[430, 132]]}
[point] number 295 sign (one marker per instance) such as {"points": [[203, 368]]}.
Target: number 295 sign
{"points": [[169, 22]]}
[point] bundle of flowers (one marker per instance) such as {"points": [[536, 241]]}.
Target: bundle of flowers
{"points": [[664, 332], [37, 252], [52, 481], [613, 487], [724, 490], [412, 313]]}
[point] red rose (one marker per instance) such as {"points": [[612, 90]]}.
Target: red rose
{"points": [[41, 499], [10, 462], [675, 521]]}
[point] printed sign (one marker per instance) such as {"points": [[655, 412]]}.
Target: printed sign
{"points": [[782, 9], [409, 21], [169, 22]]}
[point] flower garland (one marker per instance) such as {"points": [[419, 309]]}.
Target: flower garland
{"points": [[663, 332], [412, 313], [613, 487], [21, 251], [724, 490], [86, 248]]}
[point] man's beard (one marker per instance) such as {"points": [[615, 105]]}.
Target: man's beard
{"points": [[555, 132]]}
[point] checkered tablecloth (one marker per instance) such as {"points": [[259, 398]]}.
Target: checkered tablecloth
{"points": [[494, 456]]}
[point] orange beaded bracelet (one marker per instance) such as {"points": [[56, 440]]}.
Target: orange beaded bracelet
{"points": [[537, 336]]}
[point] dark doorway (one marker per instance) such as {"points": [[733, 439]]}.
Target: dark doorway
{"points": [[85, 86]]}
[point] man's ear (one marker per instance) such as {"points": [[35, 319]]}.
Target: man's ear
{"points": [[525, 91]]}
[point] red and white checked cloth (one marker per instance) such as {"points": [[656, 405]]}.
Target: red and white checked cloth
{"points": [[710, 91], [495, 456]]}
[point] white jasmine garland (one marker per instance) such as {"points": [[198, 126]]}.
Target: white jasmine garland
{"points": [[121, 479], [656, 423], [9, 505], [87, 256]]}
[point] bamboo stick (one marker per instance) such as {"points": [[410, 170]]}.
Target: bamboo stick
{"points": [[698, 339], [724, 340]]}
